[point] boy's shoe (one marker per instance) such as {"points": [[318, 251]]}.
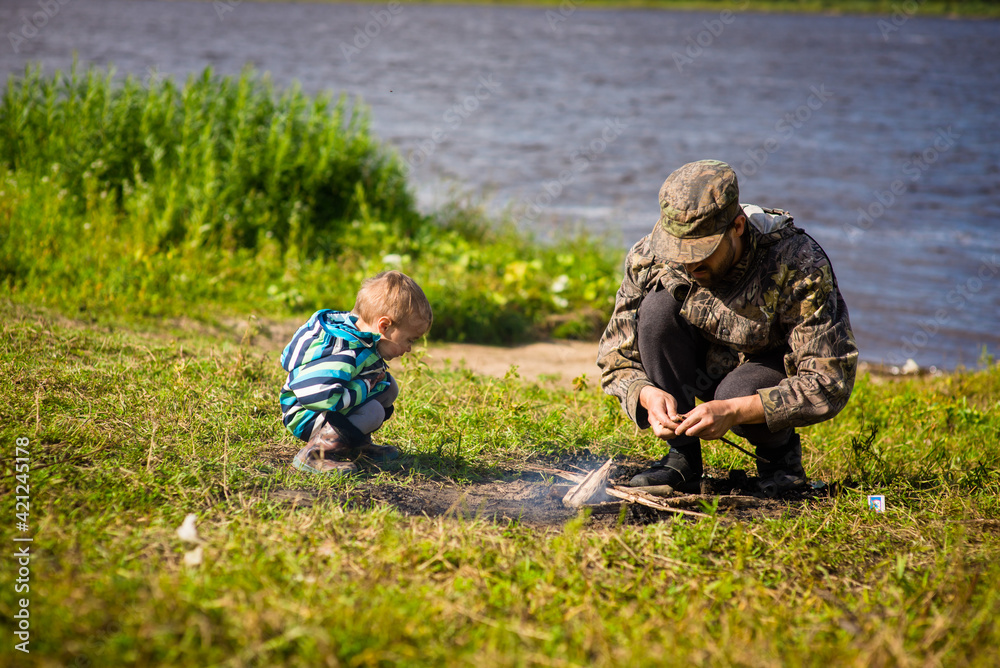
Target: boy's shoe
{"points": [[675, 470], [378, 453], [310, 459], [783, 471], [331, 444], [328, 451]]}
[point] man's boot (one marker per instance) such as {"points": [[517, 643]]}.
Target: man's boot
{"points": [[681, 469], [783, 470]]}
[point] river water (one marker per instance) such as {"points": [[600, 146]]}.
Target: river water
{"points": [[880, 134]]}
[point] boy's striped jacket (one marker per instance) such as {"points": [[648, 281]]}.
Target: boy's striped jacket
{"points": [[332, 367]]}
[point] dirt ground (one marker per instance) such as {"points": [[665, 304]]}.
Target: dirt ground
{"points": [[552, 362], [535, 500], [556, 362]]}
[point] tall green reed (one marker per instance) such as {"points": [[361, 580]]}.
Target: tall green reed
{"points": [[217, 163], [121, 196]]}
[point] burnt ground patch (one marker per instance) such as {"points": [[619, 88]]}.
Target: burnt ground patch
{"points": [[535, 498]]}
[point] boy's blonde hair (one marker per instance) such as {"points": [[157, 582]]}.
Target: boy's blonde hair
{"points": [[394, 294]]}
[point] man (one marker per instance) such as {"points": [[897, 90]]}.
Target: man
{"points": [[736, 306]]}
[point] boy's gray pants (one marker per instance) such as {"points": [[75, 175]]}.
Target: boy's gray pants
{"points": [[370, 415]]}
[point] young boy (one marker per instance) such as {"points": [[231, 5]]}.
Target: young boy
{"points": [[339, 389]]}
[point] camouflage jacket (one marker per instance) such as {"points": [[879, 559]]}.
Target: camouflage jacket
{"points": [[782, 294]]}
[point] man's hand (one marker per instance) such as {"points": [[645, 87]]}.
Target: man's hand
{"points": [[662, 409], [712, 419]]}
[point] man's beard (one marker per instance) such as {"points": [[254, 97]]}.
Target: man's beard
{"points": [[716, 277]]}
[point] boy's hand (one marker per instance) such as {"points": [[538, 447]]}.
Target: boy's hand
{"points": [[372, 381]]}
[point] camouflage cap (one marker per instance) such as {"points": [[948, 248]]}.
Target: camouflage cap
{"points": [[697, 204]]}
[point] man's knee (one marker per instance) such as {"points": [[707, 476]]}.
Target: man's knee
{"points": [[732, 388], [746, 379], [700, 385], [659, 316], [664, 334]]}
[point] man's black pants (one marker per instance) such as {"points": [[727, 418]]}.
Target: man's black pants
{"points": [[673, 357]]}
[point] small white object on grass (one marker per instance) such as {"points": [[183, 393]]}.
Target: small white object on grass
{"points": [[187, 531], [193, 558], [877, 502]]}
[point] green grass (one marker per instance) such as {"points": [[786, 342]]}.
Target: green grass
{"points": [[123, 199], [131, 428]]}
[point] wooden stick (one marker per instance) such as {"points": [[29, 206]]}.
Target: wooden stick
{"points": [[624, 493], [657, 490], [650, 501], [694, 500], [565, 475], [590, 489], [743, 450]]}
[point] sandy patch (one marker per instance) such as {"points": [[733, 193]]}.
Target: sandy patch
{"points": [[556, 362]]}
